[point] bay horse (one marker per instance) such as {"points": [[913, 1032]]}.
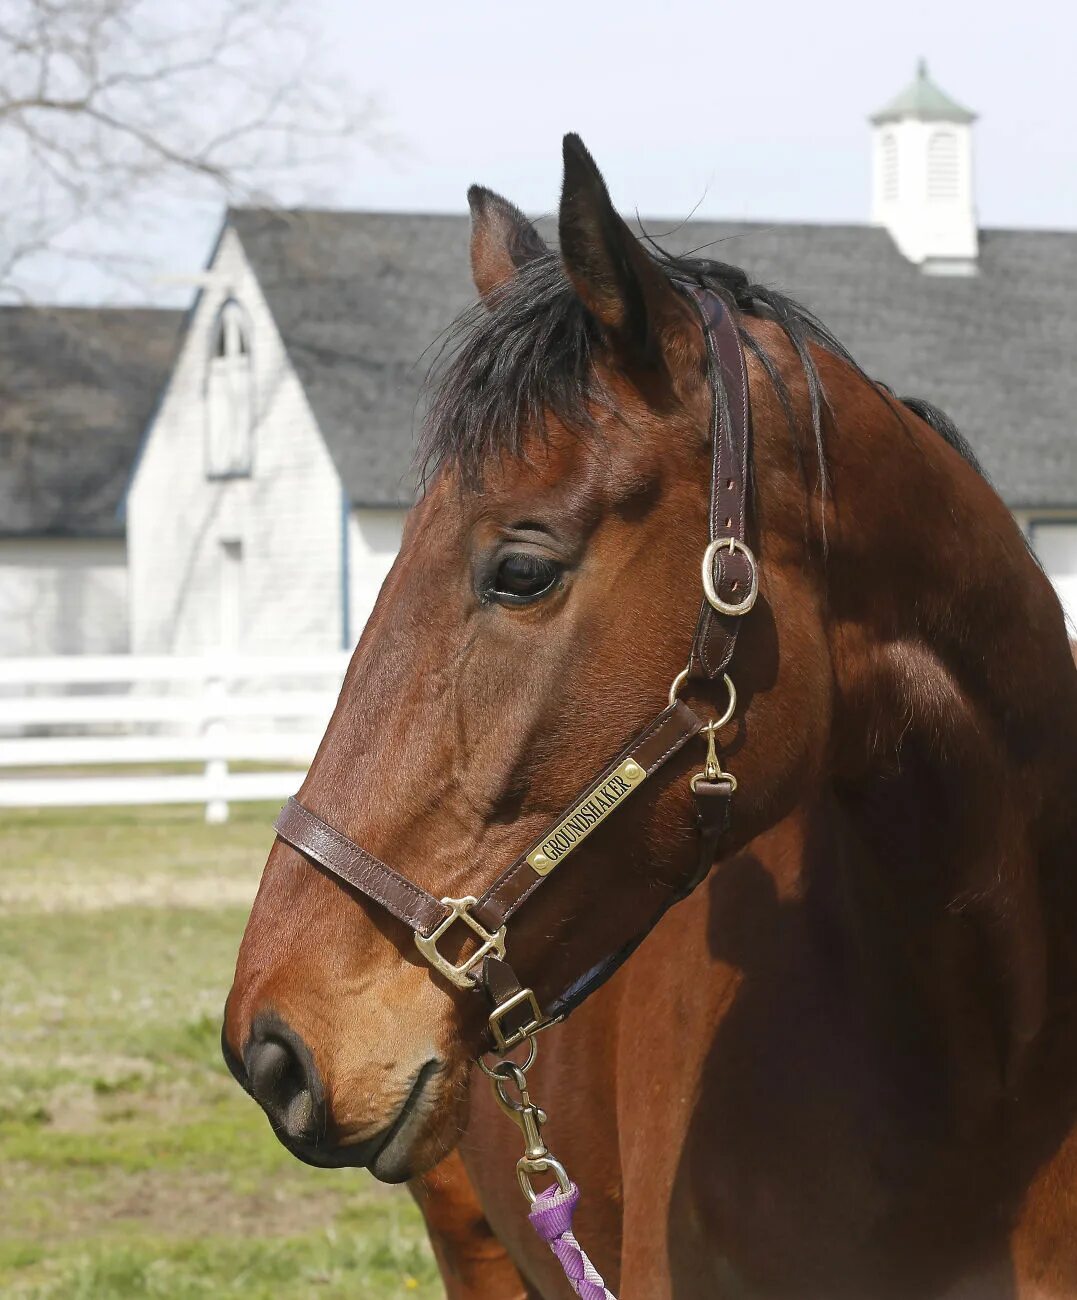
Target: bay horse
{"points": [[846, 1064]]}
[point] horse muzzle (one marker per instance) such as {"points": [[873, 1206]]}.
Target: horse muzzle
{"points": [[278, 1070]]}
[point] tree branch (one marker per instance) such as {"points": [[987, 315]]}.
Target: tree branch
{"points": [[105, 103]]}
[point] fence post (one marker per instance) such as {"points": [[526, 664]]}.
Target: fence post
{"points": [[213, 729]]}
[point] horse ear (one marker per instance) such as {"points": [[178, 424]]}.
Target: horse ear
{"points": [[502, 240], [611, 271]]}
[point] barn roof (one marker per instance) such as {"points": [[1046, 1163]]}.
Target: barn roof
{"points": [[359, 297], [77, 386], [923, 100]]}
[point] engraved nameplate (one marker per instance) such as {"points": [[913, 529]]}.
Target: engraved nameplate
{"points": [[575, 827]]}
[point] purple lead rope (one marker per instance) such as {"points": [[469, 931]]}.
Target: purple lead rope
{"points": [[551, 1217], [552, 1210]]}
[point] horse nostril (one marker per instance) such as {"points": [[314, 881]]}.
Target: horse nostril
{"points": [[282, 1079], [273, 1074]]}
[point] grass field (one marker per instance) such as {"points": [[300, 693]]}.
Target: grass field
{"points": [[130, 1163]]}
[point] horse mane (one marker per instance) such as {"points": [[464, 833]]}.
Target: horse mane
{"points": [[501, 371], [945, 428]]}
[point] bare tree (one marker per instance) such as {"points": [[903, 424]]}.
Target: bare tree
{"points": [[109, 104]]}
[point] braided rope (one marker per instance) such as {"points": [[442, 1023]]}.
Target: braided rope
{"points": [[551, 1217]]}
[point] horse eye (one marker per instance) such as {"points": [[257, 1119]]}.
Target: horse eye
{"points": [[522, 577]]}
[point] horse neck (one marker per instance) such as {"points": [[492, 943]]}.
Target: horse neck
{"points": [[955, 725]]}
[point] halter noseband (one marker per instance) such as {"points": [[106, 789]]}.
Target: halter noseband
{"points": [[730, 585]]}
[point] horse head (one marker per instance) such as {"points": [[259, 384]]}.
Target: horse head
{"points": [[542, 602]]}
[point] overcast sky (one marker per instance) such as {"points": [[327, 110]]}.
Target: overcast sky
{"points": [[731, 109]]}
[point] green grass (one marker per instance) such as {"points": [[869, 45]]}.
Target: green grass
{"points": [[130, 1163], [73, 859]]}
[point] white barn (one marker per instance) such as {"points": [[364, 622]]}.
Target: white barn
{"points": [[270, 491], [250, 528]]}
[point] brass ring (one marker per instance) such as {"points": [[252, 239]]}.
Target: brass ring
{"points": [[731, 707], [496, 1072], [732, 544], [678, 682]]}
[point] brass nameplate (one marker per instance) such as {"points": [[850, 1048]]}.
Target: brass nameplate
{"points": [[588, 813]]}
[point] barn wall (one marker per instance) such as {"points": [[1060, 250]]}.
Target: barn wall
{"points": [[1053, 535], [373, 541], [250, 563], [63, 596]]}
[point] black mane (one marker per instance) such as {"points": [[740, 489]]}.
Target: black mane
{"points": [[501, 371]]}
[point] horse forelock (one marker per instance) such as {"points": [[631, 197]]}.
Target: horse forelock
{"points": [[505, 368]]}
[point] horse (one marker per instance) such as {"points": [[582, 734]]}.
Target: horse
{"points": [[845, 1063]]}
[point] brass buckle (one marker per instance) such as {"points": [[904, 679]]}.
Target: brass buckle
{"points": [[715, 601], [506, 1043], [461, 975]]}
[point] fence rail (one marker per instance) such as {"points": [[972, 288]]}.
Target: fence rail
{"points": [[129, 711]]}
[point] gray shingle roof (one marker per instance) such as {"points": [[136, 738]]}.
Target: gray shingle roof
{"points": [[359, 296], [77, 386]]}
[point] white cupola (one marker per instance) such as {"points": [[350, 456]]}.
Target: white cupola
{"points": [[922, 177]]}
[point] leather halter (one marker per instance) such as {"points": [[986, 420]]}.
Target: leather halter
{"points": [[730, 583]]}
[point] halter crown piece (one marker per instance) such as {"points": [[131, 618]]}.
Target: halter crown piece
{"points": [[730, 580]]}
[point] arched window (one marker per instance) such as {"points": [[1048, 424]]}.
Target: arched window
{"points": [[942, 165], [229, 396], [889, 161]]}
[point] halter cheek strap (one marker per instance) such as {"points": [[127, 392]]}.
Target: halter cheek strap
{"points": [[730, 584], [729, 573]]}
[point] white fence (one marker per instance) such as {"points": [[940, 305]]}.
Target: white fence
{"points": [[86, 712]]}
